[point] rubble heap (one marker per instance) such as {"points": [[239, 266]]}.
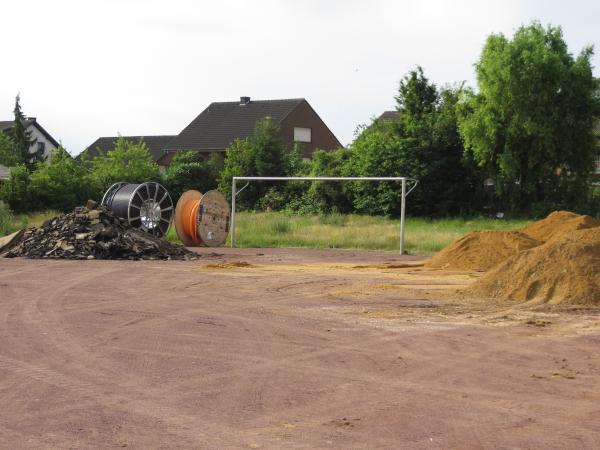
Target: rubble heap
{"points": [[93, 233]]}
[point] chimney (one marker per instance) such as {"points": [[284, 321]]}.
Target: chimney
{"points": [[244, 100]]}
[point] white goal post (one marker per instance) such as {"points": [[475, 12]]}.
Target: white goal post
{"points": [[403, 180]]}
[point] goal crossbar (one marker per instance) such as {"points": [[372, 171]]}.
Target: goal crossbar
{"points": [[404, 193]]}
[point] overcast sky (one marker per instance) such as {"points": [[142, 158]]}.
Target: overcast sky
{"points": [[150, 67]]}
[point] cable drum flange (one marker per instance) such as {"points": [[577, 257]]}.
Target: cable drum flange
{"points": [[146, 206]]}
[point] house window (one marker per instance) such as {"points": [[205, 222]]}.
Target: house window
{"points": [[41, 146], [302, 134]]}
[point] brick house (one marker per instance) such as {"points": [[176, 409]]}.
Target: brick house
{"points": [[215, 128]]}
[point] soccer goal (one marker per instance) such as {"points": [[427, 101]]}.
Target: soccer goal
{"points": [[407, 185]]}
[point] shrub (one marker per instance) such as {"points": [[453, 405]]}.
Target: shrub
{"points": [[191, 170], [126, 162]]}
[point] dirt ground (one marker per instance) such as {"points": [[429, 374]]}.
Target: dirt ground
{"points": [[272, 348]]}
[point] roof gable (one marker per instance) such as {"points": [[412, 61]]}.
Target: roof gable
{"points": [[7, 125], [221, 123]]}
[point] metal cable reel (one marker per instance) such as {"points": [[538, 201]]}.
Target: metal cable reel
{"points": [[202, 220], [146, 206]]}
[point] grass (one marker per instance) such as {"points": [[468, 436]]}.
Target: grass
{"points": [[10, 222], [277, 229], [422, 236]]}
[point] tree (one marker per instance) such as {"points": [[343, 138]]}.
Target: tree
{"points": [[190, 170], [22, 139], [15, 192], [60, 184], [529, 127], [9, 155], [423, 144], [128, 161], [264, 154]]}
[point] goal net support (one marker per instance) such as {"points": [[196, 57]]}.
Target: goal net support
{"points": [[407, 185]]}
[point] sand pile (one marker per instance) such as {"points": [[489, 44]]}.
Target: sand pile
{"points": [[565, 270], [558, 223], [481, 250]]}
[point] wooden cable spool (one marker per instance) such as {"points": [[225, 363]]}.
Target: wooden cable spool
{"points": [[202, 220]]}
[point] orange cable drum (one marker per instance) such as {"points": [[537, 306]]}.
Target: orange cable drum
{"points": [[186, 223], [202, 219]]}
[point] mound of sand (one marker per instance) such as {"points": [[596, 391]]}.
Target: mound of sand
{"points": [[565, 270], [559, 223], [481, 250]]}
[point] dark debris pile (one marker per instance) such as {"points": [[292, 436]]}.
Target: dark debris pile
{"points": [[94, 234]]}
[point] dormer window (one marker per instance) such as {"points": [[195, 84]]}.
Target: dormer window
{"points": [[302, 134]]}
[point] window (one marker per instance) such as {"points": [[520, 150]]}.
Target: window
{"points": [[41, 146], [302, 134]]}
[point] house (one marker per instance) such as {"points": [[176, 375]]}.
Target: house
{"points": [[103, 145], [221, 123], [215, 128], [40, 138], [389, 115]]}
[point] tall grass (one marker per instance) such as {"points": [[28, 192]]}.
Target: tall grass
{"points": [[279, 229], [422, 236], [10, 222]]}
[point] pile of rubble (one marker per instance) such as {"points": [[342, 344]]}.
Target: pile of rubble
{"points": [[93, 232]]}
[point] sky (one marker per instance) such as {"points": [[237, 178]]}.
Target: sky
{"points": [[87, 69]]}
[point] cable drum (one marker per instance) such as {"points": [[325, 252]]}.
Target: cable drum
{"points": [[202, 220], [146, 206]]}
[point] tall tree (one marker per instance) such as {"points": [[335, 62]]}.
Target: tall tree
{"points": [[9, 156], [530, 125], [264, 154], [423, 144], [22, 138]]}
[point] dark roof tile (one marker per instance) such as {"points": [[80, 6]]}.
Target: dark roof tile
{"points": [[222, 122]]}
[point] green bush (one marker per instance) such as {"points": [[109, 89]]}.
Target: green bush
{"points": [[191, 170], [60, 183], [16, 191], [128, 161], [6, 220], [264, 154]]}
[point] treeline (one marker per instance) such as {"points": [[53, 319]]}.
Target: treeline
{"points": [[522, 144]]}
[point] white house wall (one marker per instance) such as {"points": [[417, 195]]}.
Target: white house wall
{"points": [[37, 134]]}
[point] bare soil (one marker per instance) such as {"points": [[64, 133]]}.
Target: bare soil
{"points": [[276, 348]]}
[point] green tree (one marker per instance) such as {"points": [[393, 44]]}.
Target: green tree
{"points": [[423, 144], [16, 192], [330, 196], [9, 155], [22, 139], [190, 170], [529, 127], [61, 183], [264, 154], [128, 161]]}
